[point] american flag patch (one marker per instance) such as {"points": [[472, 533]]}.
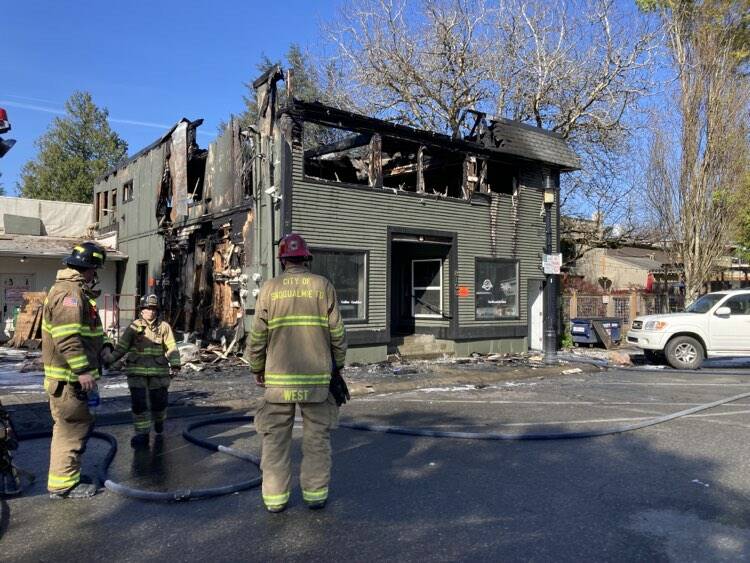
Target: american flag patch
{"points": [[70, 302]]}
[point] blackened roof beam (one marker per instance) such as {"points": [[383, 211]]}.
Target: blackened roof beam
{"points": [[517, 141]]}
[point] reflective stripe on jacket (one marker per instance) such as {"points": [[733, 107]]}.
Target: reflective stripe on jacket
{"points": [[151, 349], [297, 335], [72, 334]]}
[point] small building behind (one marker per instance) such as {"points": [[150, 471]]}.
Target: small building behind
{"points": [[35, 235]]}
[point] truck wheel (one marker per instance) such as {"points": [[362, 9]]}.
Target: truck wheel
{"points": [[684, 352]]}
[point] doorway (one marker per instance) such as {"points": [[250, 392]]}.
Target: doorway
{"points": [[536, 313], [420, 299]]}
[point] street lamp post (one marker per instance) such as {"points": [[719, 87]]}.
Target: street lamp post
{"points": [[550, 290]]}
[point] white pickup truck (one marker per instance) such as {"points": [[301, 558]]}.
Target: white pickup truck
{"points": [[716, 324]]}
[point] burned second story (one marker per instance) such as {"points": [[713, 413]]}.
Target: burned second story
{"points": [[174, 181], [420, 232]]}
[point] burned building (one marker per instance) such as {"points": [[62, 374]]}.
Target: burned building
{"points": [[433, 243]]}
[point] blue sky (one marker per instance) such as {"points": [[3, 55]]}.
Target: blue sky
{"points": [[148, 63]]}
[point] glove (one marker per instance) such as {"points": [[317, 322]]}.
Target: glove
{"points": [[338, 388], [106, 354]]}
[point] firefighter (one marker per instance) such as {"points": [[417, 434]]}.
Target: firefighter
{"points": [[72, 340], [152, 360], [297, 341]]}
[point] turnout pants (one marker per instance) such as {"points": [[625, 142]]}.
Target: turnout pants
{"points": [[274, 422], [72, 423], [149, 398]]}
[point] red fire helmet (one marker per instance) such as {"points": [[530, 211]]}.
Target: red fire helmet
{"points": [[293, 246]]}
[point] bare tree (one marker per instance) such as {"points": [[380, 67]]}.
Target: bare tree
{"points": [[698, 160], [577, 67], [421, 66]]}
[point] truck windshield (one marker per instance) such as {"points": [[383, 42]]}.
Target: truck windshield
{"points": [[703, 304]]}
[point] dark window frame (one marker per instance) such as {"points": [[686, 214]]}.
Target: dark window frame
{"points": [[140, 267], [517, 264], [366, 253], [128, 191]]}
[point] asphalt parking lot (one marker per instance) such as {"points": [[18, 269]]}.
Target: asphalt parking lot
{"points": [[678, 491]]}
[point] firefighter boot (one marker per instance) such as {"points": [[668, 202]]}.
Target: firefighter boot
{"points": [[317, 505], [81, 490]]}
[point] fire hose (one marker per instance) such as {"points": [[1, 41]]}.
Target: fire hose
{"points": [[189, 494]]}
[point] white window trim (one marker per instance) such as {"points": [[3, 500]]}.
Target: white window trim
{"points": [[427, 288]]}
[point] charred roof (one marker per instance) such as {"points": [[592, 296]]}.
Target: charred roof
{"points": [[500, 138]]}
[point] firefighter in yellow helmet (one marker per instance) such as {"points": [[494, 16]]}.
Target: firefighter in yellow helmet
{"points": [[72, 340], [152, 360], [297, 344]]}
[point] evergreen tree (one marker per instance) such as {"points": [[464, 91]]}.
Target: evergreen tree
{"points": [[306, 83], [77, 148]]}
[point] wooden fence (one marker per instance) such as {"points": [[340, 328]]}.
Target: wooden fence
{"points": [[625, 306]]}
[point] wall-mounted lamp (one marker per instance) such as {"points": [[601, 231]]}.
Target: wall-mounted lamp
{"points": [[549, 189], [23, 259]]}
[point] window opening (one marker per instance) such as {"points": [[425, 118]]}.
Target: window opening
{"points": [[141, 279], [500, 178], [196, 167], [127, 191], [336, 155], [98, 206]]}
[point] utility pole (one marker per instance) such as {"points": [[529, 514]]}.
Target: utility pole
{"points": [[550, 288]]}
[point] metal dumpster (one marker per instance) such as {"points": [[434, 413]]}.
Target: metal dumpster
{"points": [[582, 330]]}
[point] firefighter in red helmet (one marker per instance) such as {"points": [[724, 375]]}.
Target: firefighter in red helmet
{"points": [[297, 346]]}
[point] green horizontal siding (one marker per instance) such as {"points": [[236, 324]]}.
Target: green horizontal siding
{"points": [[349, 218]]}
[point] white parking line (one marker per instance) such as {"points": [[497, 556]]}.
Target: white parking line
{"points": [[506, 402], [668, 384]]}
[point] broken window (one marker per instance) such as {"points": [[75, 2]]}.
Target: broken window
{"points": [[336, 155], [98, 206], [196, 168], [411, 167], [127, 191], [500, 177], [443, 172], [347, 271], [400, 164], [496, 288], [141, 279]]}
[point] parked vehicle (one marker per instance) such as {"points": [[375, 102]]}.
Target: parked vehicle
{"points": [[715, 325]]}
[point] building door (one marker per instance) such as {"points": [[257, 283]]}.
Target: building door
{"points": [[536, 314], [419, 291]]}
